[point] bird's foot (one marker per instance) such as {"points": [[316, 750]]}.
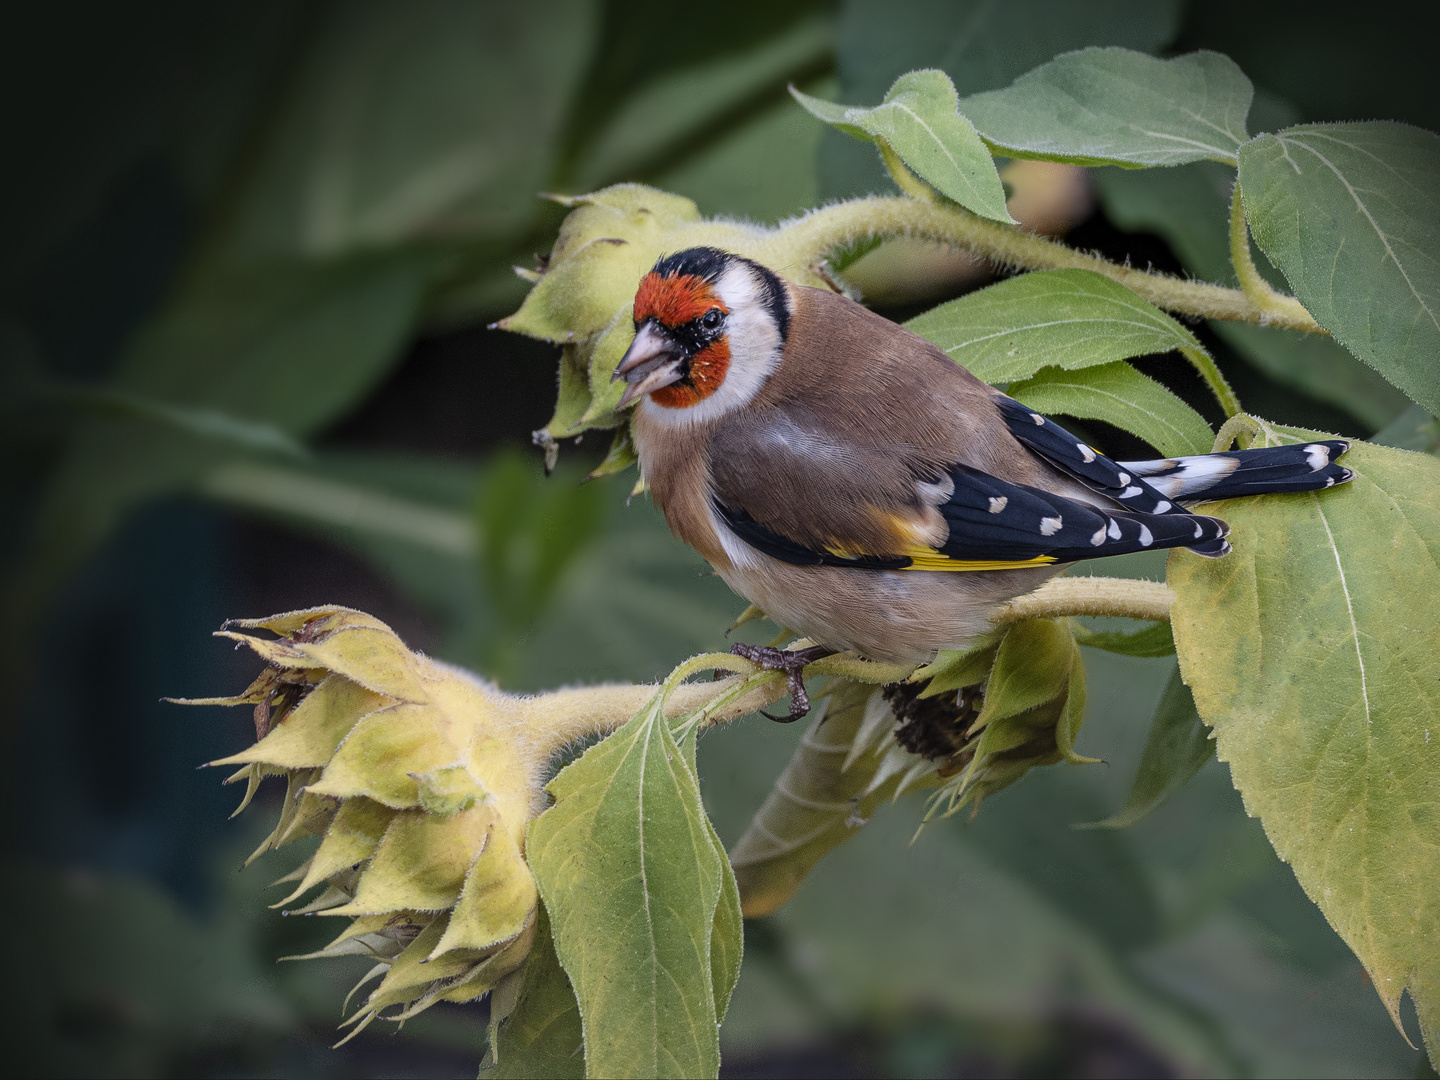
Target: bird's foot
{"points": [[792, 664]]}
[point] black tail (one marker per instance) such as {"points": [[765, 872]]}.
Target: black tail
{"points": [[1273, 469]]}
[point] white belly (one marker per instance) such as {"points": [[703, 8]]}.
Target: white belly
{"points": [[901, 616]]}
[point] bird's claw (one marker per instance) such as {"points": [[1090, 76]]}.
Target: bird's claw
{"points": [[792, 663]]}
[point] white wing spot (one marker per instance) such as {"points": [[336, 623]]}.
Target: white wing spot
{"points": [[998, 504], [1199, 530], [1123, 478], [1099, 537], [1162, 507], [1145, 538], [1085, 452], [1113, 531], [1050, 526], [1129, 493], [1039, 420], [1318, 456]]}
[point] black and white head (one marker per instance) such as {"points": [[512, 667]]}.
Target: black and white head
{"points": [[709, 327]]}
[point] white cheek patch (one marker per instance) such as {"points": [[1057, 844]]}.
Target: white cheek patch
{"points": [[754, 342]]}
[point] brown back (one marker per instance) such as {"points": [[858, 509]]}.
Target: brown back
{"points": [[858, 412]]}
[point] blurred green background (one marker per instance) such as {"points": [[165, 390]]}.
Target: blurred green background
{"points": [[249, 252]]}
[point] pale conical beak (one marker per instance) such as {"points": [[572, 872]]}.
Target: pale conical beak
{"points": [[652, 361]]}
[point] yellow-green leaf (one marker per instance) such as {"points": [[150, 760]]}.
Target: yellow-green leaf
{"points": [[421, 862], [1314, 652], [535, 1019], [631, 880]]}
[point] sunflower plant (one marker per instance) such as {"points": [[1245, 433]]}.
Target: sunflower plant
{"points": [[596, 906]]}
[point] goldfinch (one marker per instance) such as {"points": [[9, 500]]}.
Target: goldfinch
{"points": [[861, 488]]}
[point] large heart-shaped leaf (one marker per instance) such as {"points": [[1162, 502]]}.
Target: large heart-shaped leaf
{"points": [[1052, 318], [1314, 652], [1119, 107], [1189, 207], [1350, 213], [631, 876], [918, 121]]}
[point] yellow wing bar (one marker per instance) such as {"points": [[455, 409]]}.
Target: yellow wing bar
{"points": [[930, 559]]}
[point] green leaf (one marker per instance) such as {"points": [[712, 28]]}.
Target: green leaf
{"points": [[980, 44], [211, 424], [1178, 746], [1119, 395], [293, 346], [1034, 706], [918, 121], [1318, 366], [727, 939], [954, 669], [1031, 668], [1154, 640], [631, 879], [1350, 213], [1063, 318], [1312, 651], [1119, 107], [412, 119], [535, 1019], [1189, 208], [1414, 429]]}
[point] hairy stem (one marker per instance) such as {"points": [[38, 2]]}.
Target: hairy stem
{"points": [[556, 720], [904, 179], [1204, 363], [1117, 597], [814, 236], [1260, 292]]}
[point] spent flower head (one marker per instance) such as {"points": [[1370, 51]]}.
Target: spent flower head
{"points": [[419, 780]]}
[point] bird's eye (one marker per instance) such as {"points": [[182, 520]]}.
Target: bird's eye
{"points": [[711, 319]]}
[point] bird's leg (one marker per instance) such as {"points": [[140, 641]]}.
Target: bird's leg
{"points": [[792, 664]]}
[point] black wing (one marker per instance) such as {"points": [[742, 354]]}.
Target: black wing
{"points": [[996, 525], [1093, 469]]}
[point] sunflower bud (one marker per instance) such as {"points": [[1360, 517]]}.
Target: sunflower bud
{"points": [[419, 780], [582, 296]]}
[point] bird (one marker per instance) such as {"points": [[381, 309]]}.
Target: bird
{"points": [[864, 490]]}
